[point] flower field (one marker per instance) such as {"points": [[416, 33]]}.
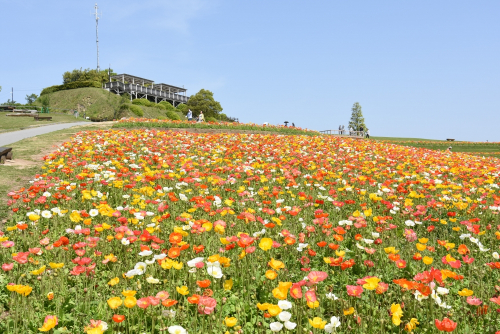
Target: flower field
{"points": [[130, 123], [151, 231]]}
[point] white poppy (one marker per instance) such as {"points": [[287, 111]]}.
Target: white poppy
{"points": [[176, 329], [145, 253], [290, 325], [152, 280], [192, 263], [215, 272], [284, 304], [93, 212], [331, 296], [284, 316], [46, 214], [276, 326]]}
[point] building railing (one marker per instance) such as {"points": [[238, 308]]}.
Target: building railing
{"points": [[346, 133], [134, 88]]}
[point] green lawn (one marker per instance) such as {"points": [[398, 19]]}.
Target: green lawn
{"points": [[9, 123], [476, 148]]}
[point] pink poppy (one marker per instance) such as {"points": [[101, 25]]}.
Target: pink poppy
{"points": [[474, 301], [206, 305], [143, 303], [354, 290], [317, 276], [21, 257], [7, 266], [162, 295], [153, 300], [311, 296]]}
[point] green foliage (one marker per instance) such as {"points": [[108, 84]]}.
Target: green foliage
{"points": [[86, 75], [44, 100], [143, 102], [160, 106], [30, 98], [71, 85], [136, 110], [357, 120], [173, 115], [167, 105], [211, 119], [183, 108], [204, 101]]}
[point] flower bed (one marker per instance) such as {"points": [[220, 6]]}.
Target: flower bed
{"points": [[167, 124], [150, 231]]}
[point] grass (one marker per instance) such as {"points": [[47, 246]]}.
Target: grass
{"points": [[9, 123], [475, 148], [30, 152], [98, 103]]}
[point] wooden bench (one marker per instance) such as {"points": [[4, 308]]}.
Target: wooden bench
{"points": [[5, 153], [449, 139], [42, 118]]}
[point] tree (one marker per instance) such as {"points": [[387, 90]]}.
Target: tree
{"points": [[204, 101], [31, 98], [357, 120], [87, 75]]}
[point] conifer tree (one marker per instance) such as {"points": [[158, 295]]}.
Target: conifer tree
{"points": [[357, 120]]}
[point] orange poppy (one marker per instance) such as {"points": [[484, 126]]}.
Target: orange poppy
{"points": [[194, 299], [203, 284], [174, 252], [169, 302]]}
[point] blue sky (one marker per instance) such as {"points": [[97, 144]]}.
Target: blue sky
{"points": [[424, 69]]}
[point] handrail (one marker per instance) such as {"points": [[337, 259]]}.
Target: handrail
{"points": [[145, 90], [346, 133]]}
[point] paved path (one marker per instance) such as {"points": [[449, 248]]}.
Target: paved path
{"points": [[11, 137]]}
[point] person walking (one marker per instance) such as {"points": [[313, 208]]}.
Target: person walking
{"points": [[189, 115], [342, 130], [201, 117], [367, 133]]}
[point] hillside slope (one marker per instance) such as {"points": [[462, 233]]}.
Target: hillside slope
{"points": [[98, 103]]}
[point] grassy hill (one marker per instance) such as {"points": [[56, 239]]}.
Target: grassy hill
{"points": [[98, 103]]}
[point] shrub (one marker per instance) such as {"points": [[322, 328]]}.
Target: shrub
{"points": [[71, 85], [173, 115], [182, 108], [136, 110], [167, 105], [160, 106], [143, 102], [211, 119]]}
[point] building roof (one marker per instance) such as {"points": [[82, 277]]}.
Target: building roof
{"points": [[165, 87], [131, 79]]}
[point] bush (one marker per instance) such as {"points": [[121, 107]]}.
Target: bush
{"points": [[160, 106], [71, 85], [173, 115], [167, 105], [136, 110], [211, 119], [182, 108], [143, 102]]}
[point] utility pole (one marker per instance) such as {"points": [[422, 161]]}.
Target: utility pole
{"points": [[97, 17], [12, 95]]}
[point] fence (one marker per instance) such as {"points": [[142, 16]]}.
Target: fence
{"points": [[346, 133]]}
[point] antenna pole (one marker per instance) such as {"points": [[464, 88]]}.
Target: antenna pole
{"points": [[97, 34]]}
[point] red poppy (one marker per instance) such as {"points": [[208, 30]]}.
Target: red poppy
{"points": [[118, 318], [446, 325]]}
